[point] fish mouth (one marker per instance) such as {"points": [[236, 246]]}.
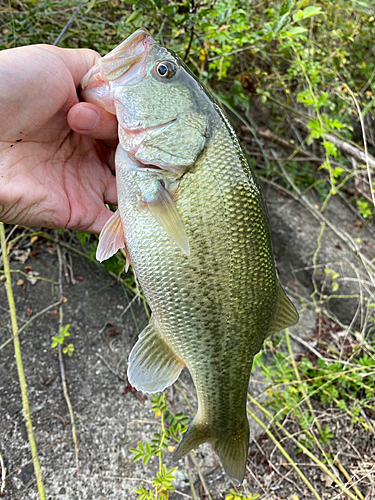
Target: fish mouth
{"points": [[124, 65]]}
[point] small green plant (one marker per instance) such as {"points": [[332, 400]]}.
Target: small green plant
{"points": [[60, 339], [172, 427], [364, 208], [235, 495]]}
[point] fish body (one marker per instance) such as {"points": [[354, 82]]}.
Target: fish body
{"points": [[195, 226]]}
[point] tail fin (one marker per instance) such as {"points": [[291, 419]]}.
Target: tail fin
{"points": [[231, 448]]}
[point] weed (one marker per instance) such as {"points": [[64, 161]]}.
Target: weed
{"points": [[60, 339]]}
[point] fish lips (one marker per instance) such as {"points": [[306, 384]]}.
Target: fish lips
{"points": [[124, 65]]}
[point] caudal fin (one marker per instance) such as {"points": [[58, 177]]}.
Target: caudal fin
{"points": [[232, 448]]}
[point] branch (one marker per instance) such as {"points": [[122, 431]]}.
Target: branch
{"points": [[19, 363], [344, 146]]}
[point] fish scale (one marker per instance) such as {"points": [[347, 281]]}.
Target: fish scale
{"points": [[196, 229]]}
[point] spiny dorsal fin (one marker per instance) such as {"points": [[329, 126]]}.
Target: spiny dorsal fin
{"points": [[152, 364], [285, 314], [111, 239], [164, 209]]}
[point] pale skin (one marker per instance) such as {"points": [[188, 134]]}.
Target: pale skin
{"points": [[56, 154]]}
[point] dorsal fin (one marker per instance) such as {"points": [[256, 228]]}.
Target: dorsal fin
{"points": [[285, 314]]}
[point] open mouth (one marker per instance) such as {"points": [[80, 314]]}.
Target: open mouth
{"points": [[124, 65]]}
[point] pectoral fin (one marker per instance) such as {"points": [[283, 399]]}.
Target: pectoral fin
{"points": [[152, 364], [111, 239], [285, 314], [164, 209]]}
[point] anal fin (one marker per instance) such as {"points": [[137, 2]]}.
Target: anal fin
{"points": [[152, 364], [285, 314]]}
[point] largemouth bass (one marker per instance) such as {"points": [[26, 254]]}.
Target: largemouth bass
{"points": [[195, 227]]}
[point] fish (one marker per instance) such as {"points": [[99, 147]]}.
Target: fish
{"points": [[193, 222]]}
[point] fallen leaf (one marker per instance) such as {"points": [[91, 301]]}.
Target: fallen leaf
{"points": [[54, 312], [21, 255], [295, 497], [65, 300], [29, 312], [78, 277], [171, 449], [31, 277], [33, 239], [20, 282], [28, 268], [326, 480], [286, 465]]}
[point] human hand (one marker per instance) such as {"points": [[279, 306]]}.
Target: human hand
{"points": [[51, 175]]}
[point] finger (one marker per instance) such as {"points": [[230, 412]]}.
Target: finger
{"points": [[100, 221], [79, 61], [88, 119], [110, 193], [110, 158]]}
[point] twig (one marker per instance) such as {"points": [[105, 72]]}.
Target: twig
{"points": [[192, 489], [67, 26], [19, 363], [62, 367], [189, 44], [40, 452], [3, 474], [367, 157], [30, 321], [276, 469], [201, 477], [307, 345], [242, 49], [284, 452], [344, 146], [347, 477], [300, 445], [110, 368]]}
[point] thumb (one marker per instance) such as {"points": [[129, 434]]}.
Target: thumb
{"points": [[78, 61]]}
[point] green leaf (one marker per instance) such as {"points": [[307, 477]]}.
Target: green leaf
{"points": [[311, 11], [368, 106], [280, 24], [330, 148], [296, 30], [286, 7], [69, 350]]}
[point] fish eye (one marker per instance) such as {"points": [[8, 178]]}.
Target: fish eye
{"points": [[166, 69]]}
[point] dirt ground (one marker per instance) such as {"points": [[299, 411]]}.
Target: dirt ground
{"points": [[109, 418]]}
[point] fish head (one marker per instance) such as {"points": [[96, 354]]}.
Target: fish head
{"points": [[124, 63], [160, 106]]}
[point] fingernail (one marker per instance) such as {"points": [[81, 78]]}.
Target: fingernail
{"points": [[88, 120]]}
